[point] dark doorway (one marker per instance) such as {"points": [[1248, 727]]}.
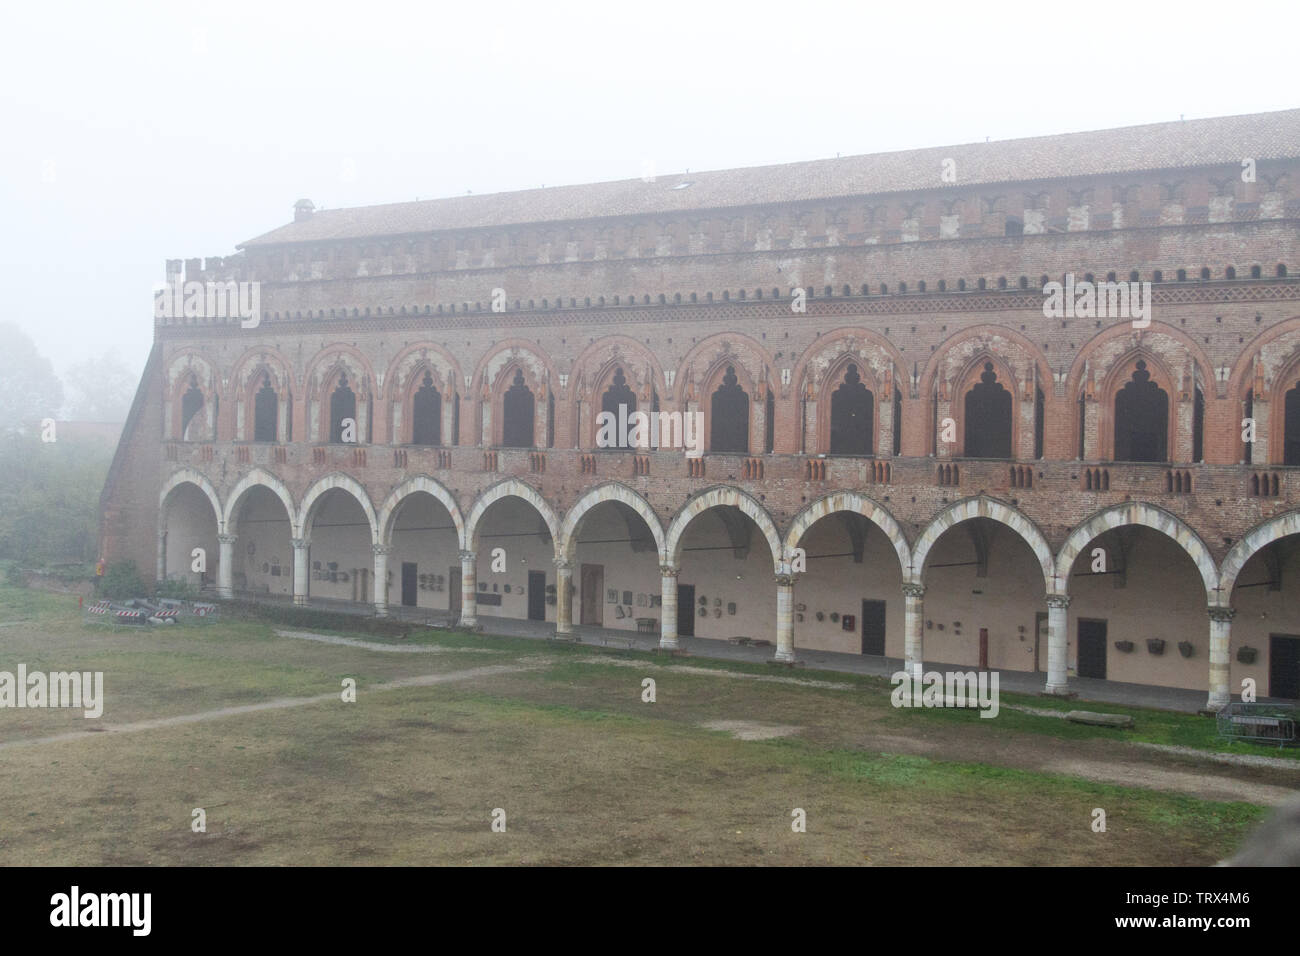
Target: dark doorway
{"points": [[685, 610], [852, 416], [1141, 419], [1291, 428], [1092, 649], [537, 595], [730, 416], [518, 414], [409, 583], [266, 412], [988, 418], [593, 595], [1284, 666], [984, 648], [873, 628], [426, 414], [343, 405], [618, 394], [1040, 641], [453, 591]]}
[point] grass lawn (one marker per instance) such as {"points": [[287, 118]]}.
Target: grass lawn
{"points": [[558, 737]]}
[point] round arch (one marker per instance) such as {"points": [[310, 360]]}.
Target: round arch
{"points": [[192, 477], [983, 507], [1252, 541], [1148, 516], [722, 495], [566, 544], [510, 487], [858, 504], [343, 483], [414, 485], [258, 477]]}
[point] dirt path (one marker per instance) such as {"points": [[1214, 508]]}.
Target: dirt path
{"points": [[385, 648], [280, 703]]}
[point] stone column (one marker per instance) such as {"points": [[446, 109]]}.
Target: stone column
{"points": [[1259, 451], [226, 566], [469, 590], [162, 555], [668, 600], [1220, 633], [913, 628], [381, 579], [785, 617], [1058, 631], [563, 598], [301, 546]]}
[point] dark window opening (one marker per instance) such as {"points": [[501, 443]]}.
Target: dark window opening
{"points": [[266, 412], [769, 423], [518, 414], [191, 406], [1141, 419], [1083, 424], [426, 414], [1198, 426], [852, 416], [619, 393], [1250, 413], [988, 418], [1291, 428], [343, 405], [898, 422], [1038, 423], [730, 414]]}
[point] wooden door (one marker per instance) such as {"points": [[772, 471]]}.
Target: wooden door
{"points": [[593, 594]]}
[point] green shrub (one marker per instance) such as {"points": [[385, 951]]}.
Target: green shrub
{"points": [[121, 580], [181, 590], [14, 576]]}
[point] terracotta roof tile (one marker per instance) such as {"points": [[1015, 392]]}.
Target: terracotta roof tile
{"points": [[1193, 143]]}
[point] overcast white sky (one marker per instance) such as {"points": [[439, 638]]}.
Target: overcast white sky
{"points": [[134, 133]]}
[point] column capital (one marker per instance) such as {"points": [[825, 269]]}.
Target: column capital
{"points": [[912, 589], [786, 580], [227, 538], [381, 548], [668, 571], [1220, 614], [468, 555], [563, 564], [301, 544], [1058, 600]]}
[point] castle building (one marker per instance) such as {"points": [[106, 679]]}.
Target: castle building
{"points": [[1029, 405]]}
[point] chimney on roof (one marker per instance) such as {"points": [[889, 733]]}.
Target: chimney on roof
{"points": [[302, 209]]}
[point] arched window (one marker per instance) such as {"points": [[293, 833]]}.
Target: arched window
{"points": [[898, 421], [343, 405], [518, 414], [1083, 424], [1247, 446], [619, 394], [1141, 419], [550, 419], [1291, 428], [1198, 426], [426, 414], [266, 412], [988, 418], [852, 416], [730, 416], [1038, 423], [455, 418], [769, 422], [193, 426]]}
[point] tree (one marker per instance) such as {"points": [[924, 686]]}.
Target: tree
{"points": [[101, 388], [32, 391]]}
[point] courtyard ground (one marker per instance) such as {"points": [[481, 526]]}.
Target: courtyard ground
{"points": [[245, 720]]}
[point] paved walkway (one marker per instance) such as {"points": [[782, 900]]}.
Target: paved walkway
{"points": [[1019, 682]]}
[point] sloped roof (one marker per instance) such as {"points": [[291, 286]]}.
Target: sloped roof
{"points": [[1182, 144]]}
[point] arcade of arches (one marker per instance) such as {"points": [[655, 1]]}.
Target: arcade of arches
{"points": [[978, 587]]}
